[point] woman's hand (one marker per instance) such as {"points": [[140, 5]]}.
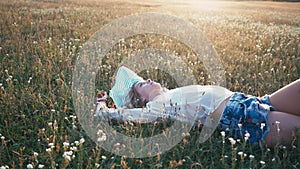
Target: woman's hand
{"points": [[101, 99], [101, 96]]}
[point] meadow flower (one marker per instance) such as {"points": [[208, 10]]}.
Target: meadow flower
{"points": [[35, 154], [222, 133], [101, 136], [247, 136], [73, 148], [82, 140], [30, 78], [232, 141], [103, 157], [97, 165], [262, 162], [48, 150], [41, 166], [67, 155], [66, 144], [29, 166], [51, 145]]}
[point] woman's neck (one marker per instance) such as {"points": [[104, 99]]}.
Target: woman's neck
{"points": [[152, 97]]}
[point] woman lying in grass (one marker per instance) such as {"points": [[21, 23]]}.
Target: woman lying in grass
{"points": [[270, 119]]}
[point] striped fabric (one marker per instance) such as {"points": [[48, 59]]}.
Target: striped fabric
{"points": [[125, 79]]}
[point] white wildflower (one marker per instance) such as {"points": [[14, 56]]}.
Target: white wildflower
{"points": [[67, 155], [29, 166], [66, 144], [82, 140], [97, 165], [262, 162], [41, 166], [232, 141], [222, 133], [103, 157], [51, 145], [35, 154], [262, 126], [73, 148], [48, 150], [101, 136]]}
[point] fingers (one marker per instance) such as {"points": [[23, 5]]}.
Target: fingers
{"points": [[101, 95]]}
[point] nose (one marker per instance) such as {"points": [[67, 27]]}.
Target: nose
{"points": [[149, 80]]}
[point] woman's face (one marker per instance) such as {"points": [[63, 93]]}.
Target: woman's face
{"points": [[147, 89]]}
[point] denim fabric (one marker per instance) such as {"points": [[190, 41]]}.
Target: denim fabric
{"points": [[250, 112]]}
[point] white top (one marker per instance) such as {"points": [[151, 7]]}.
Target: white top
{"points": [[187, 104]]}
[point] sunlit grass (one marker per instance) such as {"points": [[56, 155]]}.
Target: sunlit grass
{"points": [[40, 42]]}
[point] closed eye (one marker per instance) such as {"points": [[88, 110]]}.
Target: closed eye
{"points": [[141, 84]]}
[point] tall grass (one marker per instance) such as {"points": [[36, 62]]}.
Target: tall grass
{"points": [[39, 45]]}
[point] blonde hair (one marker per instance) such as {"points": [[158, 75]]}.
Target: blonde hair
{"points": [[134, 100]]}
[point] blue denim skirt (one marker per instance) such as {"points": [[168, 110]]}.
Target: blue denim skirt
{"points": [[245, 113]]}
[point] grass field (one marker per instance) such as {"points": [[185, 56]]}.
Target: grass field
{"points": [[258, 43]]}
